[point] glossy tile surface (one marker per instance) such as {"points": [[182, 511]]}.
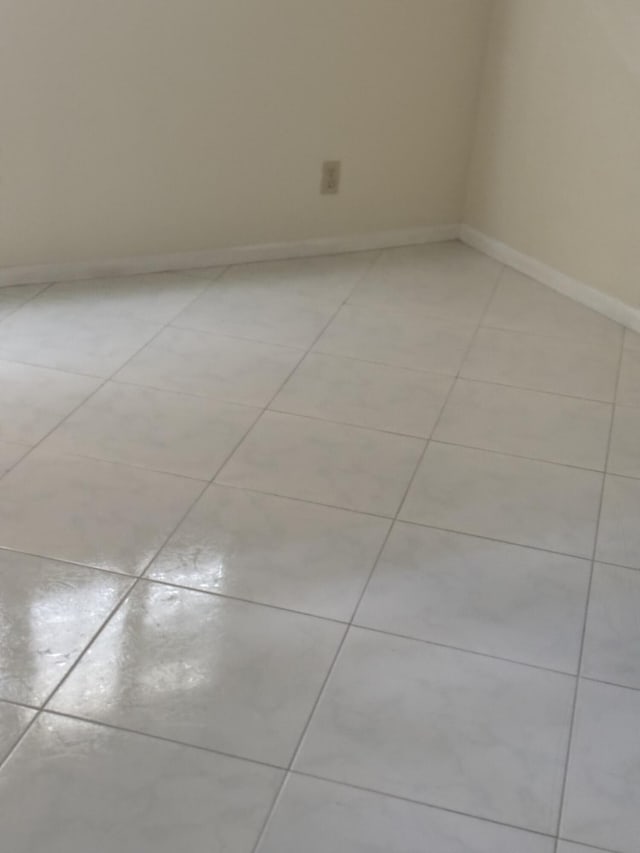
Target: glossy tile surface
{"points": [[91, 512], [328, 463], [619, 531], [522, 304], [204, 670], [578, 368], [400, 336], [502, 600], [14, 720], [39, 642], [612, 641], [516, 500], [363, 394], [526, 423], [273, 550], [239, 371], [175, 433], [330, 514], [443, 727], [316, 816], [94, 788], [33, 400], [601, 800]]}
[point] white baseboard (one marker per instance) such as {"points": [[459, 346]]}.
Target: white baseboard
{"points": [[577, 290], [79, 270], [585, 294]]}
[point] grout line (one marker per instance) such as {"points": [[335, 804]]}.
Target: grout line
{"points": [[51, 693], [424, 804], [280, 790], [593, 680], [214, 333], [130, 588], [162, 738], [572, 721], [7, 289], [142, 577], [588, 846], [610, 402], [476, 380], [145, 578], [595, 340], [493, 539], [363, 592], [618, 565], [286, 771], [294, 754], [413, 639]]}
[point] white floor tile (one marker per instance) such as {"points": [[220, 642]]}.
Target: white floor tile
{"points": [[444, 727], [13, 722], [153, 298], [524, 305], [443, 693], [315, 816], [281, 302], [11, 298], [175, 433], [239, 371], [329, 278], [10, 454], [72, 787], [526, 423], [401, 337], [612, 638], [97, 513], [619, 531], [629, 385], [624, 454], [33, 400], [451, 279], [328, 463], [601, 799], [364, 394], [516, 500], [570, 847], [54, 333], [39, 642], [578, 368], [263, 317], [205, 670], [480, 595], [273, 551]]}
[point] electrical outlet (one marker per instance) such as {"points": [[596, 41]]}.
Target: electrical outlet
{"points": [[330, 177]]}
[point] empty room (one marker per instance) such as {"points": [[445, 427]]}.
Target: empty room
{"points": [[320, 426]]}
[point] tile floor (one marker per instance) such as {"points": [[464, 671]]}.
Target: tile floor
{"points": [[328, 554]]}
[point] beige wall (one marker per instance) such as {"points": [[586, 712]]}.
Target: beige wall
{"points": [[556, 166], [154, 126]]}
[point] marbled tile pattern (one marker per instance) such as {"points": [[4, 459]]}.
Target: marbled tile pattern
{"points": [[297, 556]]}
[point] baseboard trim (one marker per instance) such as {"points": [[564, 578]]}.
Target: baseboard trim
{"points": [[585, 294], [79, 270]]}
